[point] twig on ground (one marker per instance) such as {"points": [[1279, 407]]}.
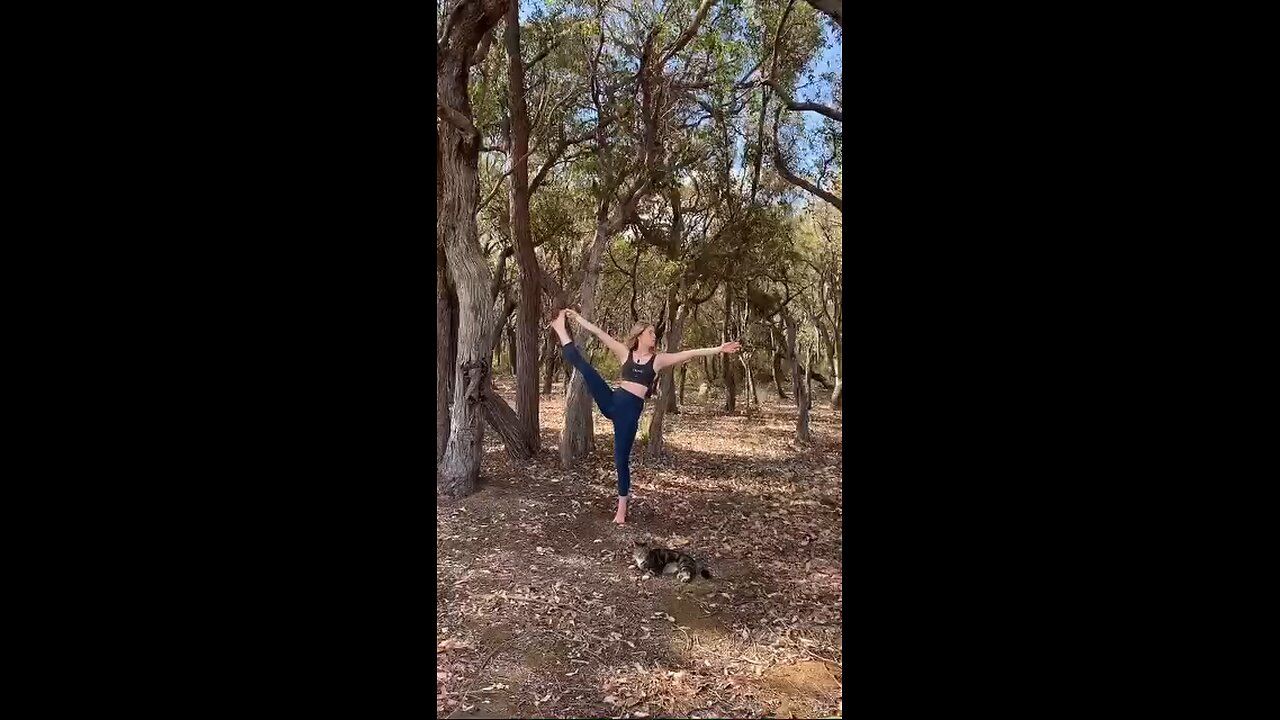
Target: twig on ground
{"points": [[819, 657], [725, 657], [688, 639], [521, 598], [495, 651]]}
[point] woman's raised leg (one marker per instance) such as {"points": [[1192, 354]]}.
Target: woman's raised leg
{"points": [[600, 390]]}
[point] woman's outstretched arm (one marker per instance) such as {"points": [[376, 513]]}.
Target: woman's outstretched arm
{"points": [[666, 360], [618, 348]]}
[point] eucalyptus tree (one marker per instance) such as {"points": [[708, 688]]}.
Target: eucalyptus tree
{"points": [[458, 45]]}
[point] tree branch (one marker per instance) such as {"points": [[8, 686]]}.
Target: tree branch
{"points": [[498, 185], [689, 32], [496, 283], [537, 58], [456, 119], [746, 81], [833, 9], [448, 24], [551, 287], [791, 104], [704, 298], [627, 207], [781, 165], [648, 235], [486, 41], [487, 198], [555, 158], [500, 319]]}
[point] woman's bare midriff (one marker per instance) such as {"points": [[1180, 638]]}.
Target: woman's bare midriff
{"points": [[634, 388]]}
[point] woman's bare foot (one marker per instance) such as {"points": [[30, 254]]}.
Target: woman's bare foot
{"points": [[621, 516], [559, 326]]}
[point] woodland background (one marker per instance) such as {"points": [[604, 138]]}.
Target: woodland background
{"points": [[675, 162]]}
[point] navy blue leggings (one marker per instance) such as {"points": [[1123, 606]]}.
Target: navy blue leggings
{"points": [[618, 405]]}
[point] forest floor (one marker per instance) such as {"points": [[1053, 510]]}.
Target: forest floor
{"points": [[541, 611]]}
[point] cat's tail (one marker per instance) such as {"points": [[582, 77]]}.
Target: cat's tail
{"points": [[706, 573]]}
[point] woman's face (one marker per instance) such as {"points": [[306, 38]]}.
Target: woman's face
{"points": [[648, 338]]}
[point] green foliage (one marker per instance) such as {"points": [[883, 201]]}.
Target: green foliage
{"points": [[765, 245]]}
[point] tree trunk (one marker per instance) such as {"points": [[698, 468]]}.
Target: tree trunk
{"points": [[776, 365], [443, 368], [752, 398], [745, 355], [823, 337], [792, 356], [503, 419], [453, 336], [837, 395], [456, 224], [730, 387], [674, 332], [810, 354], [818, 377], [511, 353], [525, 358], [802, 422], [578, 436], [550, 361], [706, 371], [684, 376], [443, 356], [461, 466]]}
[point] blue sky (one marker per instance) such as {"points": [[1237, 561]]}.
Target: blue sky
{"points": [[829, 61]]}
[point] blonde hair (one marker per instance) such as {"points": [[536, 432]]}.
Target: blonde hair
{"points": [[633, 338]]}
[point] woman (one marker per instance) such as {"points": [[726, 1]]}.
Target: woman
{"points": [[640, 365]]}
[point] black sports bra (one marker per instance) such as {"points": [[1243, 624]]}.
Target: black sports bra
{"points": [[637, 373]]}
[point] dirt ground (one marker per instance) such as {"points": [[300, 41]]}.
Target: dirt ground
{"points": [[540, 610]]}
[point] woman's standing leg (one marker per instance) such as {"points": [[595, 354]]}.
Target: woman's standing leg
{"points": [[600, 390], [626, 421]]}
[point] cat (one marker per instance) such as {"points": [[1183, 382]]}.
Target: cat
{"points": [[661, 561]]}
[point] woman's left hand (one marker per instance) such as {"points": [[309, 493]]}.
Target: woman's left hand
{"points": [[730, 347]]}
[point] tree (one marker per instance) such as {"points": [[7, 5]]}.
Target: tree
{"points": [[649, 125], [530, 272], [591, 133], [459, 149], [533, 279], [833, 9], [797, 51], [443, 343], [577, 437]]}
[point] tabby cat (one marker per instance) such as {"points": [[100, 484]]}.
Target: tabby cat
{"points": [[661, 561]]}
